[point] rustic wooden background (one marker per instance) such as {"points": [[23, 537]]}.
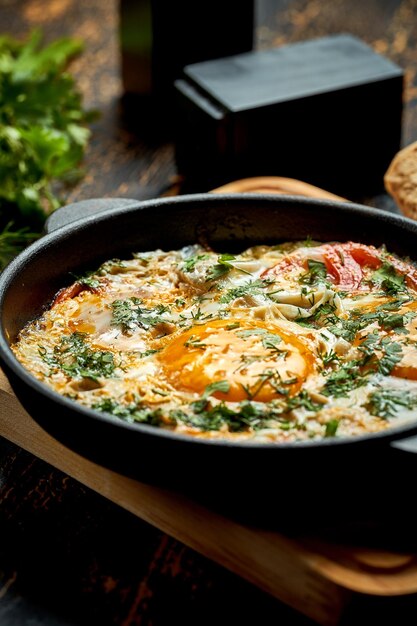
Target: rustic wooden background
{"points": [[68, 556]]}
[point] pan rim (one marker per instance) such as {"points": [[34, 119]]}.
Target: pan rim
{"points": [[10, 361]]}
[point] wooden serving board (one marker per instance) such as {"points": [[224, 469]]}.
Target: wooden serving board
{"points": [[313, 576]]}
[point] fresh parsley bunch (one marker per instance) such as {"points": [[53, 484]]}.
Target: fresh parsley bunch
{"points": [[43, 135]]}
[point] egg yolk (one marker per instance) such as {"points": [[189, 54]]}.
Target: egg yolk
{"points": [[260, 361]]}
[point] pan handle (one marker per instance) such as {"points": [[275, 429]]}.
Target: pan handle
{"points": [[409, 444], [78, 210]]}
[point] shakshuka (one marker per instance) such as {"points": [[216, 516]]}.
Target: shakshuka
{"points": [[279, 343]]}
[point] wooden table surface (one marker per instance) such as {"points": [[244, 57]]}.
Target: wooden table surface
{"points": [[67, 555]]}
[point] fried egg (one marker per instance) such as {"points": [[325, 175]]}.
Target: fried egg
{"points": [[297, 341]]}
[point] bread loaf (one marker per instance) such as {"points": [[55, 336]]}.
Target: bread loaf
{"points": [[400, 180]]}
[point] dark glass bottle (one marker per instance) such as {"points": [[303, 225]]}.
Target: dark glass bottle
{"points": [[159, 37]]}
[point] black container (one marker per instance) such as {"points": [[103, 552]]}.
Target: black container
{"points": [[157, 39], [327, 111]]}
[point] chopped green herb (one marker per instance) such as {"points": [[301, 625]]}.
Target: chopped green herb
{"points": [[232, 326], [346, 329], [387, 403], [130, 315], [146, 353], [392, 355], [319, 317], [302, 400], [316, 272], [221, 385], [133, 412], [391, 352], [43, 135], [328, 357], [343, 380], [393, 321], [189, 264], [248, 333], [394, 305], [389, 279], [331, 428], [248, 359], [221, 268], [272, 377], [76, 358], [88, 280], [252, 287], [194, 342], [248, 415]]}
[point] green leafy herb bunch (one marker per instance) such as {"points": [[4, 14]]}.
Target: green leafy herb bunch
{"points": [[43, 135]]}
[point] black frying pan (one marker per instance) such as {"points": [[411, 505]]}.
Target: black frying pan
{"points": [[311, 479]]}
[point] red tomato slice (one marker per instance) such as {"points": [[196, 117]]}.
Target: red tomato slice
{"points": [[291, 261], [342, 267], [344, 263], [366, 256]]}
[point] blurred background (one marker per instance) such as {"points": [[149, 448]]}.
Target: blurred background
{"points": [[121, 145]]}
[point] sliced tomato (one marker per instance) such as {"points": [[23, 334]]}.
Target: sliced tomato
{"points": [[290, 262], [72, 292], [344, 263], [370, 257], [366, 256], [345, 272], [68, 292]]}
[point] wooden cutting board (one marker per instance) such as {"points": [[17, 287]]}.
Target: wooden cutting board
{"points": [[313, 576]]}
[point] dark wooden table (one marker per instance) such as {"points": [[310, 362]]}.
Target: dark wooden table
{"points": [[67, 555]]}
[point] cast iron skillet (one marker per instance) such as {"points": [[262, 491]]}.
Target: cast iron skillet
{"points": [[286, 481]]}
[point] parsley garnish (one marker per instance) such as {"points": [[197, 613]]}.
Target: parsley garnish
{"points": [[43, 135], [194, 342], [302, 400], [189, 264], [392, 355], [130, 315], [221, 385], [345, 379], [269, 340], [274, 379], [331, 428], [133, 412], [252, 287], [386, 403], [75, 358], [221, 268], [389, 279], [317, 272], [355, 373], [88, 280], [319, 317], [247, 416]]}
